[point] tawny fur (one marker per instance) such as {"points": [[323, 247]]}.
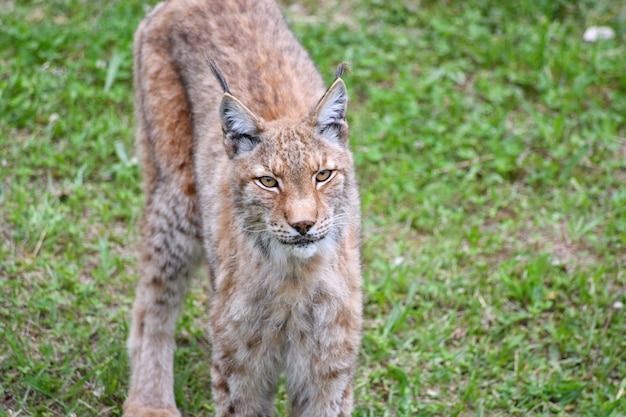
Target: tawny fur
{"points": [[284, 258]]}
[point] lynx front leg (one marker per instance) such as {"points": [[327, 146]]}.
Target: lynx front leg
{"points": [[246, 357], [320, 364], [169, 250], [326, 391]]}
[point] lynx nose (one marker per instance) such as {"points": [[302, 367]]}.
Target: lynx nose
{"points": [[303, 227]]}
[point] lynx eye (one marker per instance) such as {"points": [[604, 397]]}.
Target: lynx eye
{"points": [[267, 181], [323, 175]]}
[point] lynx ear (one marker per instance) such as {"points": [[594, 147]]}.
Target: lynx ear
{"points": [[242, 129], [329, 115]]}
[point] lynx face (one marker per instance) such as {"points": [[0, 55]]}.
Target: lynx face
{"points": [[289, 199], [288, 178]]}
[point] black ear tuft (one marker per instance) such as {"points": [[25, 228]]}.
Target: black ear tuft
{"points": [[341, 69], [217, 72]]}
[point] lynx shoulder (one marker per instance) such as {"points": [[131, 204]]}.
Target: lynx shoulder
{"points": [[247, 167]]}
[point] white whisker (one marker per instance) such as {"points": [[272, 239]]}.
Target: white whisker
{"points": [[252, 229]]}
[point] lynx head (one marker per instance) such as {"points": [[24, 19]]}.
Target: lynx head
{"points": [[292, 181]]}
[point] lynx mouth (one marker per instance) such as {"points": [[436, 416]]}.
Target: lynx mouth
{"points": [[301, 242], [302, 248]]}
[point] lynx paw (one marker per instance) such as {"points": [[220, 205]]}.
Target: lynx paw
{"points": [[131, 410]]}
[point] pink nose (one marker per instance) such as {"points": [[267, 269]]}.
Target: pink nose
{"points": [[303, 227]]}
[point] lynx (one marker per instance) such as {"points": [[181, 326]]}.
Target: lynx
{"points": [[247, 168]]}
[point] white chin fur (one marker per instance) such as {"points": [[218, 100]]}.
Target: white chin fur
{"points": [[304, 252]]}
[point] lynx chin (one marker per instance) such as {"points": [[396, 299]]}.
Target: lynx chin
{"points": [[247, 168]]}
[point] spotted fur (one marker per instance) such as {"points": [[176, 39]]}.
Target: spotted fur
{"points": [[247, 167]]}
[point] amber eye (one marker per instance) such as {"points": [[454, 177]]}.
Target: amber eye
{"points": [[323, 175], [268, 182]]}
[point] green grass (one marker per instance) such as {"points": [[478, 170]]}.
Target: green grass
{"points": [[491, 149]]}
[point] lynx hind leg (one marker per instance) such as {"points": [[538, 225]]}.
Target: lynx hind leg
{"points": [[170, 245], [170, 252]]}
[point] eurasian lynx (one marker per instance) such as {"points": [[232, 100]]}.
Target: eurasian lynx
{"points": [[257, 179]]}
